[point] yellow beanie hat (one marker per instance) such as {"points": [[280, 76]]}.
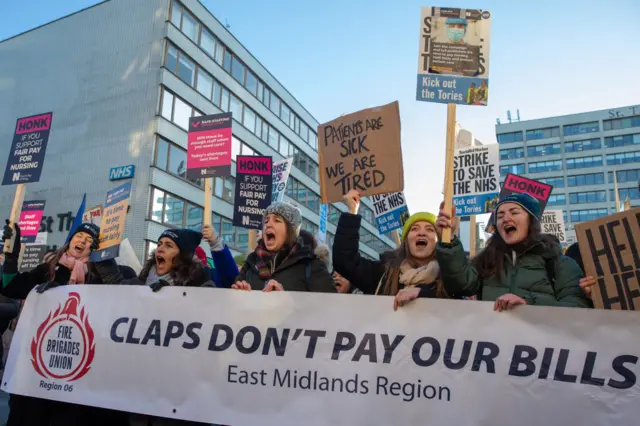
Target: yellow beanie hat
{"points": [[417, 217]]}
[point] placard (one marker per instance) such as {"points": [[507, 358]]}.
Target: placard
{"points": [[92, 214], [253, 190], [30, 218], [552, 222], [322, 229], [26, 157], [112, 223], [209, 146], [31, 256], [390, 210], [281, 170], [609, 250], [361, 151], [316, 359], [514, 184], [453, 61], [476, 180]]}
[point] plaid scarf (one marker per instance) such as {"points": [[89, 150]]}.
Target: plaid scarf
{"points": [[266, 261]]}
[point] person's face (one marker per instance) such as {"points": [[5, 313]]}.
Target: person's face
{"points": [[342, 284], [274, 232], [166, 255], [456, 32], [80, 245], [512, 223], [422, 239], [484, 84]]}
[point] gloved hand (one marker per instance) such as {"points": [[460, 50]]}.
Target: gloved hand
{"points": [[8, 234], [46, 286], [158, 285]]}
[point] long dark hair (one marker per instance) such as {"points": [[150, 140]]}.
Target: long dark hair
{"points": [[391, 278], [490, 261], [92, 275], [185, 272]]}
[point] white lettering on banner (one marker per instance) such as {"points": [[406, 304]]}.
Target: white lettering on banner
{"points": [[245, 358]]}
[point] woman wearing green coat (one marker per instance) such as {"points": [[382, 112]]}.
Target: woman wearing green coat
{"points": [[518, 266]]}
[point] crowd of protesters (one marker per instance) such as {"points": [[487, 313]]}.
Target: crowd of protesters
{"points": [[519, 266]]}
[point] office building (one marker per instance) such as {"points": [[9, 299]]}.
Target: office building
{"points": [[579, 154], [122, 79]]}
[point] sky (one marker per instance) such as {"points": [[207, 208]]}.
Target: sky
{"points": [[339, 56]]}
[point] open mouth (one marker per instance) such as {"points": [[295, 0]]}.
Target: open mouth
{"points": [[269, 237], [422, 243], [160, 260], [510, 230], [78, 249]]}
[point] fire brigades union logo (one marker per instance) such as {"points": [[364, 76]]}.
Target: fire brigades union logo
{"points": [[63, 347]]}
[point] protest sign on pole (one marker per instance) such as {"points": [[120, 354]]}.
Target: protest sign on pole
{"points": [[390, 211], [112, 224], [552, 223], [30, 218], [322, 229], [609, 250], [316, 359], [476, 183], [361, 151], [31, 256], [453, 62], [92, 214], [281, 170], [253, 190]]}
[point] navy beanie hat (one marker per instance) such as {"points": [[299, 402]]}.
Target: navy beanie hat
{"points": [[90, 229], [526, 201], [186, 239]]}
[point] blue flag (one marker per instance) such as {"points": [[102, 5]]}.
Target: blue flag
{"points": [[77, 221]]}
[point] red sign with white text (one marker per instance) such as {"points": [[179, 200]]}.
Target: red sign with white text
{"points": [[30, 218], [209, 146]]}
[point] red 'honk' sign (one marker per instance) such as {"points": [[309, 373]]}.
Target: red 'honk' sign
{"points": [[514, 184]]}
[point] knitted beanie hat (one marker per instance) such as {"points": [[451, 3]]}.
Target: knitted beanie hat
{"points": [[186, 239], [417, 217], [288, 212], [526, 201]]}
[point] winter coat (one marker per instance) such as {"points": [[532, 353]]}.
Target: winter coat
{"points": [[362, 273], [527, 276], [302, 271], [225, 269]]}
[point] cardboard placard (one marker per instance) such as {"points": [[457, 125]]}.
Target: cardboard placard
{"points": [[390, 210], [253, 190], [112, 223], [361, 151], [31, 257], [453, 61], [30, 218], [609, 250], [552, 223], [476, 183], [26, 157], [280, 171], [209, 146]]}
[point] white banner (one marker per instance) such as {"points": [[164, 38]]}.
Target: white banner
{"points": [[249, 358], [553, 223]]}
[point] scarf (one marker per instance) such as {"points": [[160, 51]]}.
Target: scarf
{"points": [[425, 274], [267, 262], [78, 267], [153, 277]]}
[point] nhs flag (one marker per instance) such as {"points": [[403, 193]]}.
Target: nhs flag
{"points": [[122, 172]]}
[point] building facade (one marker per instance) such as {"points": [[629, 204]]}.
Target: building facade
{"points": [[580, 155], [122, 79]]}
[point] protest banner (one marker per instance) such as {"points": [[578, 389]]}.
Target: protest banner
{"points": [[322, 229], [30, 218], [296, 358], [390, 211], [28, 149], [476, 183], [361, 151], [609, 251], [209, 146], [253, 190], [453, 61], [92, 214], [31, 256], [552, 223], [112, 224], [281, 170]]}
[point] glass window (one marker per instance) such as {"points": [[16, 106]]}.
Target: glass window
{"points": [[235, 107], [577, 129], [176, 13], [625, 176], [625, 193], [622, 123], [162, 153], [285, 113], [218, 186], [304, 131], [208, 42], [556, 182], [249, 119], [556, 200], [586, 215], [586, 179], [260, 90], [537, 151], [259, 124], [181, 113], [623, 158], [228, 58], [186, 69], [333, 214], [237, 69], [549, 132], [583, 162], [171, 61], [246, 150], [291, 190], [508, 154], [151, 247], [313, 171], [274, 104], [284, 146], [545, 166], [585, 145], [189, 26], [265, 96], [194, 217], [252, 83], [517, 169], [173, 210], [510, 137], [219, 57], [167, 105], [624, 140], [235, 147], [273, 138], [587, 197], [228, 232], [224, 103], [157, 201], [243, 239], [217, 93], [205, 83], [177, 161]]}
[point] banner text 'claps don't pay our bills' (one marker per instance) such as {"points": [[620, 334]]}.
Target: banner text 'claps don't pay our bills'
{"points": [[295, 354]]}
